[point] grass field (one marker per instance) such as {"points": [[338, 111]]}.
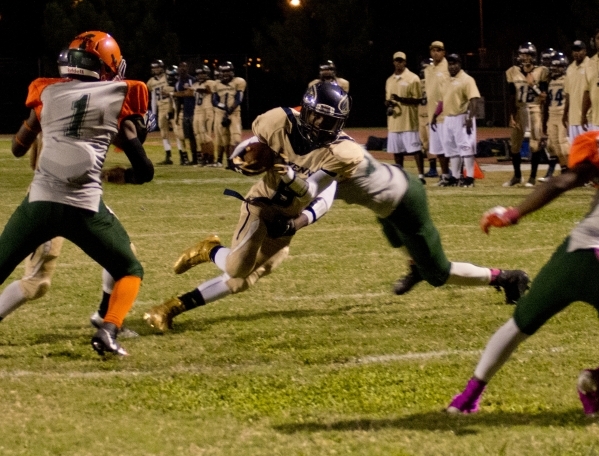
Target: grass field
{"points": [[320, 358]]}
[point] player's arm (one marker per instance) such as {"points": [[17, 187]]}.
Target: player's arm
{"points": [[26, 135], [142, 169], [586, 105], [315, 210], [438, 111], [576, 176]]}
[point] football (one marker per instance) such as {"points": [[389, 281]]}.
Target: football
{"points": [[257, 158]]}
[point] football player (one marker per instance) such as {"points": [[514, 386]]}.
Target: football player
{"points": [[574, 87], [203, 116], [459, 134], [547, 56], [79, 118], [528, 89], [185, 99], [226, 99], [402, 98], [318, 156], [161, 103], [423, 121], [436, 76], [591, 92], [327, 71], [569, 276], [553, 112]]}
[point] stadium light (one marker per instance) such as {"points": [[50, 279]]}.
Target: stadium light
{"points": [[295, 3]]}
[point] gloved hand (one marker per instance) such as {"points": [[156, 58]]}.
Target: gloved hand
{"points": [[499, 217], [279, 227]]}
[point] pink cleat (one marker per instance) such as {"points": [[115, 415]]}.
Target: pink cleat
{"points": [[467, 401]]}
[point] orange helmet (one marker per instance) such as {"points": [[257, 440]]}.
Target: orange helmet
{"points": [[93, 55]]}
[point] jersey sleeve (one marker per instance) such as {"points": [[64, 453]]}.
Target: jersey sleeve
{"points": [[136, 100], [271, 129], [34, 94], [344, 160], [584, 148]]}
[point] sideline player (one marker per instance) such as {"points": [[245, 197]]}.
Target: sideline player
{"points": [[79, 115], [162, 106], [574, 87], [328, 73], [423, 122], [591, 94], [553, 112], [569, 276], [203, 116], [402, 98], [226, 99], [459, 129], [436, 76], [322, 156], [528, 89]]}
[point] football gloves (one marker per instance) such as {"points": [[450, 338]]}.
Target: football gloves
{"points": [[499, 217], [279, 227]]}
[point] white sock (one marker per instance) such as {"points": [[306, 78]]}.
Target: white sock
{"points": [[107, 282], [456, 164], [215, 289], [498, 350], [468, 274], [11, 299], [167, 145], [220, 259], [469, 165]]}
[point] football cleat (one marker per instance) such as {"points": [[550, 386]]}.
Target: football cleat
{"points": [[448, 182], [199, 253], [513, 182], [530, 183], [431, 173], [161, 316], [514, 283], [588, 382], [467, 401], [544, 179], [125, 333], [468, 182], [407, 282], [104, 341]]}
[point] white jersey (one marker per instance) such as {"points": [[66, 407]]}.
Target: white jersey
{"points": [[377, 186], [79, 120]]}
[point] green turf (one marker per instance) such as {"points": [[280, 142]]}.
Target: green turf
{"points": [[319, 358]]}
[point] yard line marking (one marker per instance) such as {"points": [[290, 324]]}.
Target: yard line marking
{"points": [[412, 356]]}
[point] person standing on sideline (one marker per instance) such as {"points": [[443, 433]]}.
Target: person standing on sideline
{"points": [[590, 97], [574, 87], [184, 119], [402, 97], [203, 116], [423, 122], [459, 134], [161, 103]]}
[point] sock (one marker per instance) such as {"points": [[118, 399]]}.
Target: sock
{"points": [[455, 163], [516, 160], [218, 255], [122, 299], [498, 350], [432, 164], [215, 289], [535, 159], [167, 147], [494, 273], [103, 307], [107, 282], [468, 274], [192, 299], [469, 165], [11, 299]]}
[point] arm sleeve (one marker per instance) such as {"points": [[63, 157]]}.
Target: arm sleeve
{"points": [[321, 204]]}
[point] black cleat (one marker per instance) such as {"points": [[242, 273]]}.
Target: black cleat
{"points": [[105, 340], [514, 284], [407, 282]]}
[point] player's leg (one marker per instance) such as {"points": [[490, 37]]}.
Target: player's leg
{"points": [[432, 159], [190, 136], [35, 283], [551, 148], [435, 140], [452, 151], [104, 239], [413, 147], [516, 139], [219, 137], [164, 126], [536, 133], [234, 134], [564, 147], [567, 277], [466, 144]]}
